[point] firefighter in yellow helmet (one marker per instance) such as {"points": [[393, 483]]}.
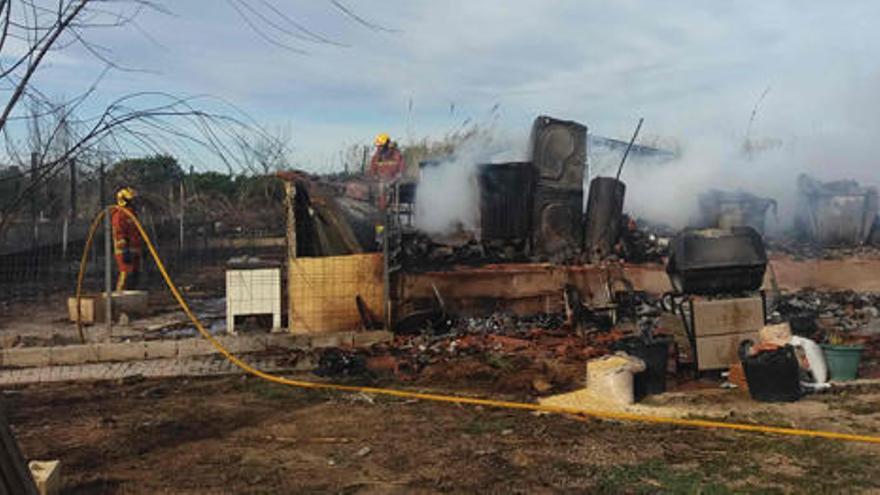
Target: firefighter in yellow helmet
{"points": [[387, 165], [127, 242]]}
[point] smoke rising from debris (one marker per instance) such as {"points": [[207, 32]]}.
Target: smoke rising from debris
{"points": [[447, 199], [826, 133]]}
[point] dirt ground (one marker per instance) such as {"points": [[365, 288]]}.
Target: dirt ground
{"points": [[242, 435]]}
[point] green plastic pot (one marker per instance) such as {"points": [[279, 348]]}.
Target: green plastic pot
{"points": [[843, 360]]}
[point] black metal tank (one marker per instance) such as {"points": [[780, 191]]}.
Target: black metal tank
{"points": [[604, 215], [506, 199]]}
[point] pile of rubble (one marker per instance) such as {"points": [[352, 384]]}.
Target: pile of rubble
{"points": [[421, 252], [494, 339], [644, 242], [800, 249], [815, 314]]}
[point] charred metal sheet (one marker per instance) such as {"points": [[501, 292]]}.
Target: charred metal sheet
{"points": [[836, 213], [506, 196], [713, 261], [322, 227], [604, 216], [558, 221], [559, 152]]}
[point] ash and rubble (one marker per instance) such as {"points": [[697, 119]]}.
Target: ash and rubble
{"points": [[511, 344], [493, 339], [851, 316], [814, 313], [640, 242], [799, 249], [535, 347], [528, 215]]}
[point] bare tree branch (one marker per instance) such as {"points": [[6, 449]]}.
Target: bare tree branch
{"points": [[360, 20]]}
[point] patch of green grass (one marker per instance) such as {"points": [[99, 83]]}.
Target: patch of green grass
{"points": [[855, 406], [767, 418], [656, 476], [829, 466], [273, 391], [499, 362], [728, 463], [484, 425]]}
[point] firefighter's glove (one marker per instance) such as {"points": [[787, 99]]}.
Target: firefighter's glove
{"points": [[127, 257]]}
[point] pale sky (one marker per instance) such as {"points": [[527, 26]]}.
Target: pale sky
{"points": [[691, 68]]}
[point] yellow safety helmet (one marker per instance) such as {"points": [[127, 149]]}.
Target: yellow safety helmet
{"points": [[382, 139], [124, 196]]}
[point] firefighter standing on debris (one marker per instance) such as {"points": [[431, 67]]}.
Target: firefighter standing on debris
{"points": [[127, 242], [386, 166], [387, 163]]}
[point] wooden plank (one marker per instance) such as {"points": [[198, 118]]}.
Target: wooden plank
{"points": [[15, 474], [323, 291]]}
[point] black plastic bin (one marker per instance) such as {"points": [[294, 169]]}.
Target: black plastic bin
{"points": [[655, 354], [773, 376]]}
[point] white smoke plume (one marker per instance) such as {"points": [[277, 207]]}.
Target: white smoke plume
{"points": [[447, 199], [825, 132]]}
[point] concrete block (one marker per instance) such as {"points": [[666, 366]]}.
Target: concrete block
{"points": [[161, 349], [241, 344], [194, 347], [73, 354], [23, 357], [366, 339], [287, 341], [121, 351], [334, 339], [305, 363], [47, 476]]}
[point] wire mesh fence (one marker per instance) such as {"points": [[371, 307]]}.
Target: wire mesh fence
{"points": [[336, 293], [198, 240], [42, 237], [54, 267]]}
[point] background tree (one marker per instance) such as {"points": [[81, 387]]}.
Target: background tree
{"points": [[141, 123]]}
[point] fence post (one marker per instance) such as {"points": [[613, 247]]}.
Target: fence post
{"points": [[34, 191], [72, 212], [364, 160], [70, 218], [108, 255], [182, 198], [290, 208]]}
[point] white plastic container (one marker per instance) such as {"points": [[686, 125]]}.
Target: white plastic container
{"points": [[815, 358], [253, 291]]}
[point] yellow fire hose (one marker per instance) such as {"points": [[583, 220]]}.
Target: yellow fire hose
{"points": [[618, 416]]}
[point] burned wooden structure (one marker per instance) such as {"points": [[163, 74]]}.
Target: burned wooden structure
{"points": [[836, 213], [727, 209]]}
